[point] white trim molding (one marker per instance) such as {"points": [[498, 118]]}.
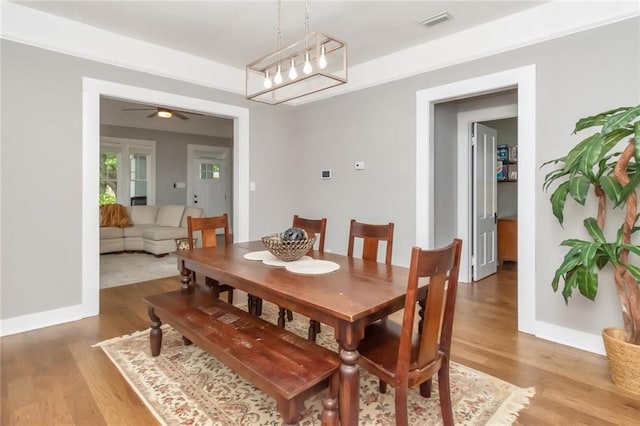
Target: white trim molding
{"points": [[29, 322], [92, 90], [29, 26], [524, 79]]}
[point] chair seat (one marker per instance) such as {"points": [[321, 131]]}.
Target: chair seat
{"points": [[381, 343]]}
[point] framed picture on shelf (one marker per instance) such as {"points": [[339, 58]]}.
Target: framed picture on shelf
{"points": [[513, 153]]}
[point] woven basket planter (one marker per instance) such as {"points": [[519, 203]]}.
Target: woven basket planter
{"points": [[624, 360]]}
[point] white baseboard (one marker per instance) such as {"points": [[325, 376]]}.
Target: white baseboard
{"points": [[568, 337], [30, 322]]}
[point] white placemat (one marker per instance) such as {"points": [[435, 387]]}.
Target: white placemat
{"points": [[277, 262], [260, 255], [311, 266]]}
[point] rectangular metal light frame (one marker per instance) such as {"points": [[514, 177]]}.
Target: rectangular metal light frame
{"points": [[319, 79]]}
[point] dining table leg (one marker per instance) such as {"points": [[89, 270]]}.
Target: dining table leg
{"points": [[349, 336]]}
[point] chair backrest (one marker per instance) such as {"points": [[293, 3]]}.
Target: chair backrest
{"points": [[207, 227], [441, 267], [371, 236], [313, 227]]}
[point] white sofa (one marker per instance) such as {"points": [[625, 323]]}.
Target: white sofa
{"points": [[155, 229]]}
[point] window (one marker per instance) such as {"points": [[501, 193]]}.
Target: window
{"points": [[139, 177], [108, 178], [209, 171], [121, 179]]}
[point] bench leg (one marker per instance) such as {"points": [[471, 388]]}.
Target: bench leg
{"points": [[155, 337], [311, 335], [330, 403], [290, 411], [281, 315], [186, 341]]}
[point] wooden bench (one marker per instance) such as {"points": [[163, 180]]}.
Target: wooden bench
{"points": [[285, 366]]}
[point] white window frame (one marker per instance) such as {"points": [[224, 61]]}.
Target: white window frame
{"points": [[125, 147]]}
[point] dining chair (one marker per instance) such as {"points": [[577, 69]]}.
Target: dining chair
{"points": [[403, 359], [371, 236], [207, 226], [316, 227]]}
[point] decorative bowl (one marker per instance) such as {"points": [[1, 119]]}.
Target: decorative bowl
{"points": [[287, 251]]}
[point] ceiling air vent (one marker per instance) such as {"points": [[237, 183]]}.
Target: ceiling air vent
{"points": [[435, 19]]}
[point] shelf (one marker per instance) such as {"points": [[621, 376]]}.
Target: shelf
{"points": [[507, 180]]}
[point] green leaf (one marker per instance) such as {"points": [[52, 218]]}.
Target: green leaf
{"points": [[558, 199], [551, 177], [570, 283], [573, 158], [591, 155], [633, 249], [594, 230], [588, 255], [611, 187], [572, 242], [579, 188], [567, 265], [629, 188], [636, 137], [633, 270], [610, 140], [621, 119], [587, 280], [596, 120]]}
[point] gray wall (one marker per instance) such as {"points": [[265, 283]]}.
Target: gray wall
{"points": [[171, 157], [289, 146], [377, 126], [41, 168], [445, 168]]}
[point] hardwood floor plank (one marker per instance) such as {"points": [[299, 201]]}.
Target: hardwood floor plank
{"points": [[55, 376]]}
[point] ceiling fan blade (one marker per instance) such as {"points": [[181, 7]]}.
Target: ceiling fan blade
{"points": [[180, 116], [152, 114]]}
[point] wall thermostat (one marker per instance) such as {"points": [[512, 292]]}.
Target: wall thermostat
{"points": [[325, 174]]}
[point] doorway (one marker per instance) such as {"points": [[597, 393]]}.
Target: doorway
{"points": [[524, 81], [209, 179], [93, 89]]}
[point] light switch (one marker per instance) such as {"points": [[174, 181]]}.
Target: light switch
{"points": [[252, 186]]}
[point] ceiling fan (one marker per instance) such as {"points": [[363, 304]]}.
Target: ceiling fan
{"points": [[162, 112]]}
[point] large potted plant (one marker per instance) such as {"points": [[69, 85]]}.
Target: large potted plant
{"points": [[606, 164]]}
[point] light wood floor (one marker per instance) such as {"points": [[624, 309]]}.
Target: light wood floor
{"points": [[54, 376]]}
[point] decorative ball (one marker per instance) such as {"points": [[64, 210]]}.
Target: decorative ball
{"points": [[294, 234]]}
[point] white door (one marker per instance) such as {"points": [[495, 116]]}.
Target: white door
{"points": [[210, 186], [484, 141]]}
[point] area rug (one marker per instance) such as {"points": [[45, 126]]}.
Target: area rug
{"points": [[118, 269], [184, 385]]}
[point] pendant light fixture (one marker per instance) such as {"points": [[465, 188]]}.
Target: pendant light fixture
{"points": [[324, 65]]}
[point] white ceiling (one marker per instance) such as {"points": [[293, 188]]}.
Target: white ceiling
{"points": [[237, 32]]}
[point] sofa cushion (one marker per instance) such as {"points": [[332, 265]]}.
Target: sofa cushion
{"points": [[190, 211], [163, 233], [169, 215], [136, 231], [109, 232], [143, 215]]}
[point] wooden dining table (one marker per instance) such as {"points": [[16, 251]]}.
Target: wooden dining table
{"points": [[348, 299]]}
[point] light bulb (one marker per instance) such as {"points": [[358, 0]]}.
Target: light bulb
{"points": [[307, 65], [293, 74], [323, 58], [267, 80], [277, 79]]}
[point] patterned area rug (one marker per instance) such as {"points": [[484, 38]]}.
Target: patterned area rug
{"points": [[126, 268], [185, 385]]}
